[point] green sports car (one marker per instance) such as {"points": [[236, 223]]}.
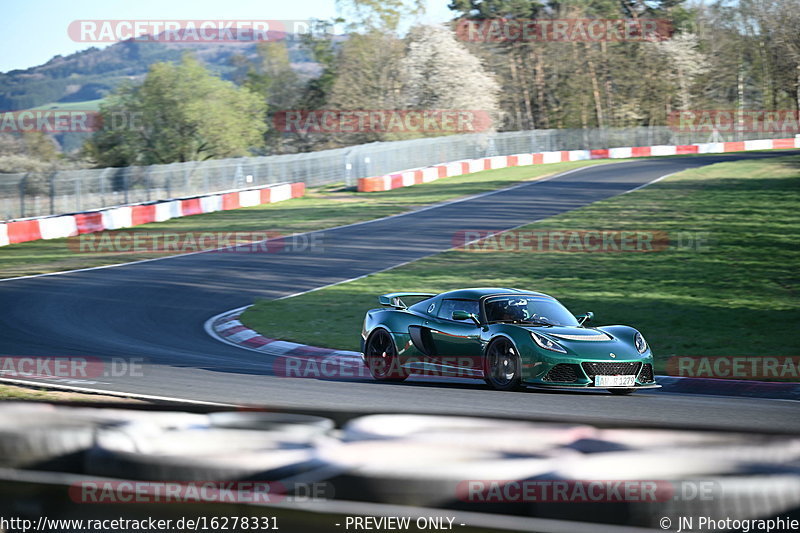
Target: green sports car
{"points": [[508, 337]]}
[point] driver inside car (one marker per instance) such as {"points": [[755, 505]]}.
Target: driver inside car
{"points": [[507, 311]]}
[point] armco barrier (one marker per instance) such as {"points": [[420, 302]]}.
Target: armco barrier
{"points": [[126, 216], [405, 178]]}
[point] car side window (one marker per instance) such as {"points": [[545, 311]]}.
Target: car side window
{"points": [[426, 306], [448, 306]]}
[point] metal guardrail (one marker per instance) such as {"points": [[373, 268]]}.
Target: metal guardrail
{"points": [[68, 191]]}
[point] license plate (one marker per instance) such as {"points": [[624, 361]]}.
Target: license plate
{"points": [[614, 381]]}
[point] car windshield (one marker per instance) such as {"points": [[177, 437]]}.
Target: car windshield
{"points": [[524, 308]]}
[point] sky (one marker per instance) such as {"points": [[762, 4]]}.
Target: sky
{"points": [[36, 30]]}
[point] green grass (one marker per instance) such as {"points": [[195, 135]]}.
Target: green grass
{"points": [[736, 296], [22, 393], [87, 105], [321, 208], [10, 392]]}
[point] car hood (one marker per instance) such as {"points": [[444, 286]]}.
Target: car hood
{"points": [[592, 343], [573, 333]]}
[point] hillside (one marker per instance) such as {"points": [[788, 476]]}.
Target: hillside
{"points": [[92, 73]]}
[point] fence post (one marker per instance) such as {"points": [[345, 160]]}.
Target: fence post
{"points": [[53, 192], [78, 194], [490, 148], [101, 185], [22, 195], [126, 183], [238, 177], [186, 177], [348, 169], [147, 171]]}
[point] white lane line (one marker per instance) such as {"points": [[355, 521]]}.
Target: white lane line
{"points": [[665, 176], [371, 221], [132, 395]]}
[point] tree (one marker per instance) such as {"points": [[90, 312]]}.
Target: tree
{"points": [[368, 77], [272, 76], [272, 79], [782, 21], [380, 15], [180, 113], [685, 63], [439, 73], [29, 152], [576, 83], [319, 43]]}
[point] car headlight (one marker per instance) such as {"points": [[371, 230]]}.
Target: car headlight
{"points": [[547, 344], [641, 344]]}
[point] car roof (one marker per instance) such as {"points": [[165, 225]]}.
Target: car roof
{"points": [[476, 293]]}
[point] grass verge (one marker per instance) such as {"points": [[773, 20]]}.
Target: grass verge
{"points": [[20, 393], [736, 294], [321, 208]]}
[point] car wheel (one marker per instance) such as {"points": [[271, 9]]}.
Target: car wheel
{"points": [[501, 366], [380, 354], [621, 392]]}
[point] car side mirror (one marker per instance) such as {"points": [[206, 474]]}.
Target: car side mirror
{"points": [[585, 318], [464, 315]]}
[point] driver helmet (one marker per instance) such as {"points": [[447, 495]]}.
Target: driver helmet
{"points": [[514, 310]]}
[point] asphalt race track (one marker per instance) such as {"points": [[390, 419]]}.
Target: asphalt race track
{"points": [[156, 310]]}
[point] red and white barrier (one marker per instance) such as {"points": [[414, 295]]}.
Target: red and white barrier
{"points": [[457, 168], [125, 216], [55, 227]]}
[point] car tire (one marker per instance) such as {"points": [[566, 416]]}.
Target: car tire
{"points": [[502, 368], [380, 355], [621, 392]]}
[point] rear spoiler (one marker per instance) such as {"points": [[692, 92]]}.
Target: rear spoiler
{"points": [[394, 299]]}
